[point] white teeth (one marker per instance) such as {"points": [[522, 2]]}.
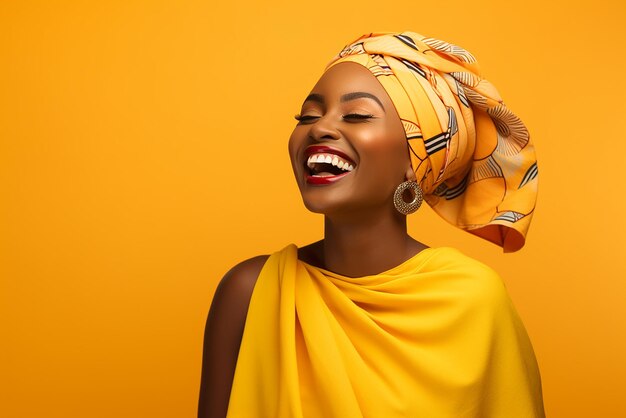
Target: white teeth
{"points": [[329, 159]]}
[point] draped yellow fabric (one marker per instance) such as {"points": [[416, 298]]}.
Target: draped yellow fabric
{"points": [[435, 337], [472, 155]]}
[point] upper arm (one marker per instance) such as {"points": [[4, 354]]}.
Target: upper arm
{"points": [[223, 333]]}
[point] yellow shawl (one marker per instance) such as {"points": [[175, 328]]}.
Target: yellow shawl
{"points": [[436, 336]]}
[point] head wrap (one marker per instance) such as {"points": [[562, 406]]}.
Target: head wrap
{"points": [[472, 156]]}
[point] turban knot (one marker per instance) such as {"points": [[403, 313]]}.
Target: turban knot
{"points": [[471, 154]]}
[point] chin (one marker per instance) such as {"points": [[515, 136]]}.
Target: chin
{"points": [[321, 204], [329, 204], [317, 206]]}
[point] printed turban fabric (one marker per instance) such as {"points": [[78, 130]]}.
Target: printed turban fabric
{"points": [[471, 154]]}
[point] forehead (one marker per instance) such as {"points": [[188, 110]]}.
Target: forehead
{"points": [[349, 77]]}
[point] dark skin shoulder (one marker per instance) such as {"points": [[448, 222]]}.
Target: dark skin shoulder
{"points": [[226, 321], [222, 335]]}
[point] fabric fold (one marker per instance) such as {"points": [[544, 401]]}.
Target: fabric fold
{"points": [[436, 336]]}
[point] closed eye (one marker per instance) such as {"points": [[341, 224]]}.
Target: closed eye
{"points": [[357, 116], [305, 118], [350, 117]]}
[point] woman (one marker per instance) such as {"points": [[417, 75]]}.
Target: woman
{"points": [[369, 322]]}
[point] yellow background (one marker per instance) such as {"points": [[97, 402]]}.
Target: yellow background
{"points": [[143, 152]]}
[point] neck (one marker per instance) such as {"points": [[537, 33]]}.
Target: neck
{"points": [[358, 247]]}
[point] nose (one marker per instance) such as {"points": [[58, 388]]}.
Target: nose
{"points": [[324, 129]]}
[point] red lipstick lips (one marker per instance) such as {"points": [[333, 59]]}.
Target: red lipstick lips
{"points": [[320, 149], [324, 179]]}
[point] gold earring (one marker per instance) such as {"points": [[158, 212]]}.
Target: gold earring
{"points": [[410, 207]]}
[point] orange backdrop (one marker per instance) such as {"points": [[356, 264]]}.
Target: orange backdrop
{"points": [[143, 152]]}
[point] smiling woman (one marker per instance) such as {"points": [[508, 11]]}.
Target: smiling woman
{"points": [[350, 115], [368, 321]]}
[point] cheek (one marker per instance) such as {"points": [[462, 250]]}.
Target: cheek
{"points": [[292, 145], [295, 144], [385, 150]]}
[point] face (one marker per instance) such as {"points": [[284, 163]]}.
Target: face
{"points": [[348, 150]]}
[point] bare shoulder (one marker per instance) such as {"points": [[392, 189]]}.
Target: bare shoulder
{"points": [[232, 297], [239, 281], [223, 333]]}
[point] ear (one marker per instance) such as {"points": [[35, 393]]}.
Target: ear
{"points": [[410, 174]]}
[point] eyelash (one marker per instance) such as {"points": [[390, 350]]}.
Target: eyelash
{"points": [[357, 116]]}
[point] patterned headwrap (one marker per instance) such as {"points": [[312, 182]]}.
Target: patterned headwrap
{"points": [[472, 156]]}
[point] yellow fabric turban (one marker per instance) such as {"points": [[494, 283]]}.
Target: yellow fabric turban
{"points": [[472, 156]]}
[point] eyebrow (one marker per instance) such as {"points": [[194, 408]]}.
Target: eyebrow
{"points": [[346, 98]]}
